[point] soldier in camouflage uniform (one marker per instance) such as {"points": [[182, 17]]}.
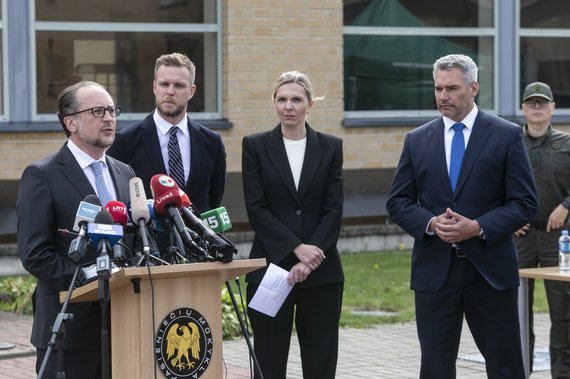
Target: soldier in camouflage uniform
{"points": [[537, 242]]}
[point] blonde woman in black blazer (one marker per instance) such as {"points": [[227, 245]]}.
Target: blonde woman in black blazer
{"points": [[293, 189]]}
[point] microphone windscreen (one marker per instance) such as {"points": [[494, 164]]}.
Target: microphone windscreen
{"points": [[104, 217], [165, 192], [167, 199], [92, 199], [119, 212], [185, 199], [139, 208]]}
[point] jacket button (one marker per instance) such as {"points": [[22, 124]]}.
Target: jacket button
{"points": [[298, 213], [453, 204]]}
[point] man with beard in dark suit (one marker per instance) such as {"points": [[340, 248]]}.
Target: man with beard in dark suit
{"points": [[168, 142]]}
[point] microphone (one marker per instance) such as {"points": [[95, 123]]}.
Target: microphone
{"points": [[167, 201], [219, 246], [104, 234], [118, 211], [217, 219], [139, 211], [86, 212], [155, 223]]}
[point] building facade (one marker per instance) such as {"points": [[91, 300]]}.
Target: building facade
{"points": [[370, 58]]}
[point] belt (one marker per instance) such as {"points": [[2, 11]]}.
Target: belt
{"points": [[458, 252]]}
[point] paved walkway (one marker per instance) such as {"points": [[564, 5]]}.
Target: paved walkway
{"points": [[383, 352]]}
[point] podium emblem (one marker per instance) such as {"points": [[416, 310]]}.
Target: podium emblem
{"points": [[183, 345]]}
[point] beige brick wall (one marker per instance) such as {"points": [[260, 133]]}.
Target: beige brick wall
{"points": [[17, 150], [262, 39]]}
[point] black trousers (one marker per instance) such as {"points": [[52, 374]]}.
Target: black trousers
{"points": [[492, 316], [316, 313]]}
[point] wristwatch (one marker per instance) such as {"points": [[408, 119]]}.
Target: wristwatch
{"points": [[481, 234], [565, 204]]}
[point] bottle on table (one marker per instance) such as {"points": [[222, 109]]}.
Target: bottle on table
{"points": [[564, 252]]}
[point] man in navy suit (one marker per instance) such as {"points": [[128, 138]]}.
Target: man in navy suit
{"points": [[50, 192], [461, 195], [144, 145]]}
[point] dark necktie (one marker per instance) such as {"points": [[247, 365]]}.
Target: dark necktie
{"points": [[175, 165], [457, 150], [102, 190]]}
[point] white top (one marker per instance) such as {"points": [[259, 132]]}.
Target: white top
{"points": [[162, 129], [296, 155], [85, 162]]}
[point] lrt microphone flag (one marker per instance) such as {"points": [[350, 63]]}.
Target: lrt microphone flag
{"points": [[217, 219]]}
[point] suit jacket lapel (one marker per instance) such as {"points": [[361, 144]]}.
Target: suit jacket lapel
{"points": [[73, 172], [479, 136], [435, 138], [313, 155], [196, 145], [278, 156]]}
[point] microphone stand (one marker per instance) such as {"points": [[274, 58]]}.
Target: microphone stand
{"points": [[58, 330], [104, 273], [244, 330]]}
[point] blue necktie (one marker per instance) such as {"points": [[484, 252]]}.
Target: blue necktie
{"points": [[457, 150], [102, 190], [175, 158]]}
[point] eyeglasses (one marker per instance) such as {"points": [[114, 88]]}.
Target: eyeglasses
{"points": [[99, 112], [541, 103]]}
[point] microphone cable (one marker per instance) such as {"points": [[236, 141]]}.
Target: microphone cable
{"points": [[153, 315], [246, 317]]}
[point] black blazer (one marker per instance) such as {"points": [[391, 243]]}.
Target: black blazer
{"points": [[50, 192], [495, 186], [283, 217], [138, 146]]}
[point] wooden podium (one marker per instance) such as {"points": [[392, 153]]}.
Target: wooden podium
{"points": [[195, 285]]}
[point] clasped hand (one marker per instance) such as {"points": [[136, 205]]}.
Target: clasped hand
{"points": [[310, 257], [452, 227]]}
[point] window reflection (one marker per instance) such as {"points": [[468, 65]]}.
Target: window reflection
{"points": [[547, 60], [391, 71], [545, 14], [446, 13], [396, 72], [124, 63]]}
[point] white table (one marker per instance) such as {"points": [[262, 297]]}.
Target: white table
{"points": [[549, 273]]}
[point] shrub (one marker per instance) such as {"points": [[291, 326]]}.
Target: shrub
{"points": [[231, 328], [16, 294]]}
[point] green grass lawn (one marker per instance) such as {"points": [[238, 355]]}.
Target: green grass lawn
{"points": [[374, 282], [380, 282]]}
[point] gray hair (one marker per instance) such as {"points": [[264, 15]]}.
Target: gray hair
{"points": [[463, 62]]}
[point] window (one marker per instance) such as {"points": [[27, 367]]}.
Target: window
{"points": [[3, 59], [390, 47], [544, 40], [116, 44]]}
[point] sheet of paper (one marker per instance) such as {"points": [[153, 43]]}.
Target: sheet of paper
{"points": [[272, 291]]}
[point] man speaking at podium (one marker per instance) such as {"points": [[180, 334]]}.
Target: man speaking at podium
{"points": [[50, 191]]}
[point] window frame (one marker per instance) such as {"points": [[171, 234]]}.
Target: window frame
{"points": [[94, 27], [354, 118], [5, 115], [540, 33]]}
